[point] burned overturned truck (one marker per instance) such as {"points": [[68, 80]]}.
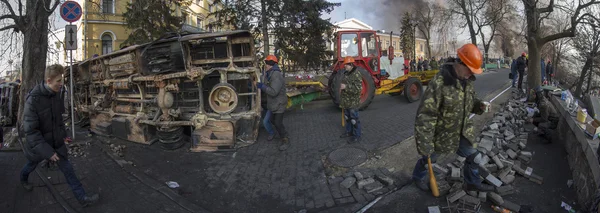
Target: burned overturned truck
{"points": [[194, 87]]}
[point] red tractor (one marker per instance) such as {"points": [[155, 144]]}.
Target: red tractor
{"points": [[380, 74]]}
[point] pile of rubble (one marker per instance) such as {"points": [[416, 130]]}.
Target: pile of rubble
{"points": [[361, 185], [118, 149], [503, 143], [78, 149]]}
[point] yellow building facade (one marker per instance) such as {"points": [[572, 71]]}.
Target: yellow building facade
{"points": [[102, 30], [395, 42]]}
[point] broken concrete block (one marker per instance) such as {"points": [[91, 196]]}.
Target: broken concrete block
{"points": [[505, 190], [491, 167], [509, 137], [524, 158], [472, 193], [514, 147], [443, 187], [508, 179], [358, 176], [482, 196], [470, 200], [511, 206], [494, 126], [498, 162], [456, 195], [364, 182], [493, 180], [484, 160], [526, 154], [372, 187], [348, 182], [455, 174], [439, 169], [495, 198], [512, 154], [385, 180], [522, 145], [434, 209], [451, 166]]}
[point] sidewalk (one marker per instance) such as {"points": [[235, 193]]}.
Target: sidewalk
{"points": [[119, 190]]}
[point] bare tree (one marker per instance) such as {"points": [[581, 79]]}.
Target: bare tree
{"points": [[30, 19], [535, 39], [494, 12], [587, 44], [424, 16], [470, 11]]}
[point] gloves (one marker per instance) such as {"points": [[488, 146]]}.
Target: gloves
{"points": [[261, 86]]}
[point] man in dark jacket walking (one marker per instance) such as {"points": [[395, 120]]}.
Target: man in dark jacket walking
{"points": [[45, 132], [274, 86], [521, 65], [513, 71]]}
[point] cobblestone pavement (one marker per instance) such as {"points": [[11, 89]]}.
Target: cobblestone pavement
{"points": [[119, 191], [257, 178]]}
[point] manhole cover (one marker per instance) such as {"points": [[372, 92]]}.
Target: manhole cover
{"points": [[347, 156]]}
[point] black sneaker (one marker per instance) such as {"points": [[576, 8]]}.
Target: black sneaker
{"points": [[353, 140], [422, 185], [270, 138], [27, 186], [89, 200], [345, 135], [285, 143], [481, 188]]}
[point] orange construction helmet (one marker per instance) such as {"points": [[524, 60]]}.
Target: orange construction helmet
{"points": [[470, 55], [348, 60], [272, 58]]}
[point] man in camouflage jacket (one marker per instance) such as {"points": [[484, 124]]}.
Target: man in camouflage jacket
{"points": [[443, 125], [351, 87], [547, 119]]}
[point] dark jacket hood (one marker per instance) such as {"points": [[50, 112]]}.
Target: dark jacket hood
{"points": [[41, 90]]}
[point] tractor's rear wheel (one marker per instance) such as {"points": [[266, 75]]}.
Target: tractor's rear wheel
{"points": [[413, 89], [366, 95]]}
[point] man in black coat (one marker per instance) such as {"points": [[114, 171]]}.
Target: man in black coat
{"points": [[521, 65], [45, 132]]}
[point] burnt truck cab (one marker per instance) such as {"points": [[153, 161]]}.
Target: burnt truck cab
{"points": [[199, 87]]}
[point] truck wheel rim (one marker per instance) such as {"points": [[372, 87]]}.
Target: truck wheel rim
{"points": [[414, 90]]}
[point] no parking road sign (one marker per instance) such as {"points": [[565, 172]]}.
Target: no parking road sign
{"points": [[70, 11]]}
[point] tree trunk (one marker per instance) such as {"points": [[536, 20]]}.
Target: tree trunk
{"points": [[584, 71], [35, 48], [533, 36], [265, 26], [427, 41]]}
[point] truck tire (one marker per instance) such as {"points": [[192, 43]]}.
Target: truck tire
{"points": [[413, 89], [367, 94]]}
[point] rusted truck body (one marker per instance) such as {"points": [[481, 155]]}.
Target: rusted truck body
{"points": [[195, 87]]}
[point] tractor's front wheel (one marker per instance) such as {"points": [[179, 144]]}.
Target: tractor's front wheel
{"points": [[413, 89], [366, 95]]}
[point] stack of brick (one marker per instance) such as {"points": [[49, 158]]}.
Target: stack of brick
{"points": [[362, 185], [503, 144]]}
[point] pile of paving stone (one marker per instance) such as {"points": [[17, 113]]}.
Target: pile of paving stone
{"points": [[504, 146], [118, 149], [361, 185]]}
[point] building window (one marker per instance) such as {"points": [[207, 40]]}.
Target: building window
{"points": [[394, 45], [210, 8], [107, 43], [199, 23], [387, 43], [421, 47], [108, 6]]}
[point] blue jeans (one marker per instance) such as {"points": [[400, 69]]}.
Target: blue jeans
{"points": [[267, 121], [514, 74], [470, 170], [352, 122], [66, 168]]}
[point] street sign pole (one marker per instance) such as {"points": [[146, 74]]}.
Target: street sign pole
{"points": [[71, 11], [71, 91]]}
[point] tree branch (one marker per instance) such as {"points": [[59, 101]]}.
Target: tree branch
{"points": [[10, 9], [13, 26], [548, 9], [56, 3]]}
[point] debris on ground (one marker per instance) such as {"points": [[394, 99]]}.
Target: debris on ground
{"points": [[78, 149], [117, 149], [503, 143], [361, 185], [172, 184]]}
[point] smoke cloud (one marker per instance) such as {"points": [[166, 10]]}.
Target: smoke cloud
{"points": [[379, 14]]}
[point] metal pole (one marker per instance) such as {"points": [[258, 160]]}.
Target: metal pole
{"points": [[71, 96]]}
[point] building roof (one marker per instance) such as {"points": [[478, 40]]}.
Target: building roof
{"points": [[355, 21]]}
